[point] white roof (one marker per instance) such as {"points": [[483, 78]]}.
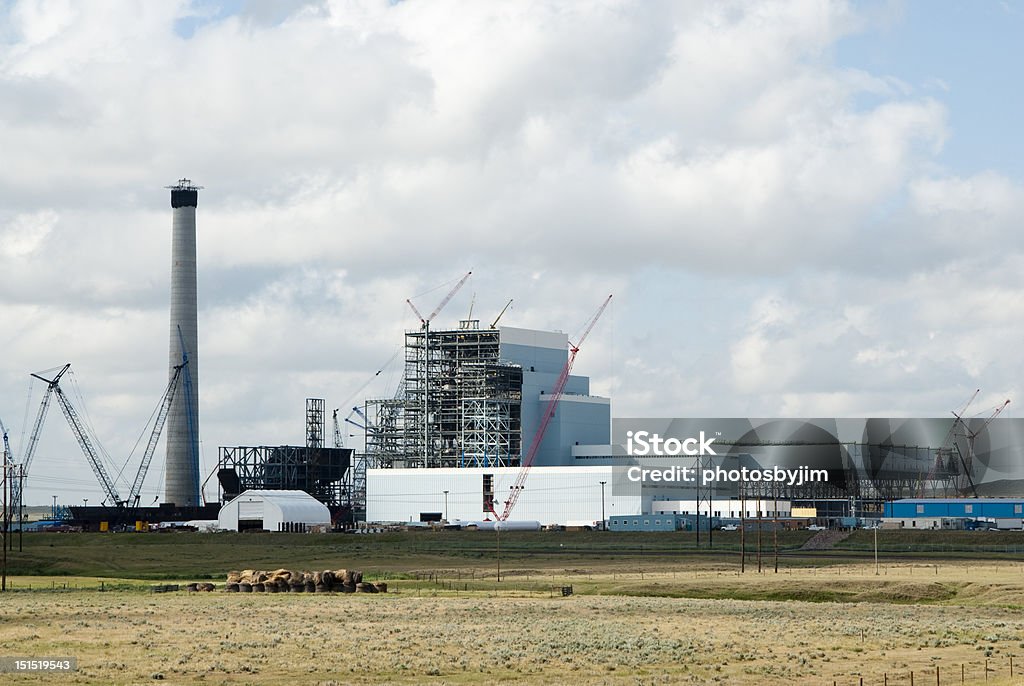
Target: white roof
{"points": [[296, 506]]}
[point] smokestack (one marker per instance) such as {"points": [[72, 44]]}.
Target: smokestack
{"points": [[181, 478]]}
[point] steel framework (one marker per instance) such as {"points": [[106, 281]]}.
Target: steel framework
{"points": [[459, 405], [321, 472]]}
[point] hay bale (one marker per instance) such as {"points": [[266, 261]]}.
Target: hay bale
{"points": [[327, 576], [206, 587], [310, 586], [245, 587], [381, 587], [297, 587], [317, 578], [365, 588], [321, 588], [259, 588], [348, 588], [232, 587], [234, 577], [192, 588], [357, 577]]}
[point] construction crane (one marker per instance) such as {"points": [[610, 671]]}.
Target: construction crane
{"points": [[85, 442], [37, 429], [538, 437], [8, 455], [425, 321], [967, 461], [494, 324], [337, 430], [154, 435], [425, 326]]}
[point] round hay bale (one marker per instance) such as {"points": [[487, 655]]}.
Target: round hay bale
{"points": [[261, 577], [348, 588], [192, 588], [321, 588], [272, 588], [337, 587], [381, 587], [327, 576], [245, 587], [234, 577], [357, 577], [365, 588], [310, 587], [231, 588], [317, 578], [298, 587], [206, 587], [259, 588]]}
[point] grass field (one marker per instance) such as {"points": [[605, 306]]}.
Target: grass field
{"points": [[645, 610]]}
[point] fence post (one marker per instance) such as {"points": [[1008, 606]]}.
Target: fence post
{"points": [[936, 675]]}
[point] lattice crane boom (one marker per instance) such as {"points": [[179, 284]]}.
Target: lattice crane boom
{"points": [[154, 435], [549, 412], [86, 443]]}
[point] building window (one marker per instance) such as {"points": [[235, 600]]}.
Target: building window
{"points": [[657, 522], [647, 522], [969, 509], [920, 509], [1018, 509]]}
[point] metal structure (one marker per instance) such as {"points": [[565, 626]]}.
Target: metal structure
{"points": [[458, 396], [85, 441], [182, 476], [320, 472], [549, 412], [316, 426]]}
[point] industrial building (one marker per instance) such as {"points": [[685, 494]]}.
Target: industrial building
{"points": [[553, 495], [474, 397], [955, 513], [287, 511]]}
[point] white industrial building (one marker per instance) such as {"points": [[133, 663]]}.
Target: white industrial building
{"points": [[552, 495], [294, 511]]}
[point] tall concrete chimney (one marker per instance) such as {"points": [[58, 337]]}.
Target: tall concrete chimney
{"points": [[181, 478]]}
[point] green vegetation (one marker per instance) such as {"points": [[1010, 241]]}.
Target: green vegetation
{"points": [[208, 556]]}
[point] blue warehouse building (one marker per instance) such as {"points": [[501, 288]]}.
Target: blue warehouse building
{"points": [[969, 508], [954, 513]]}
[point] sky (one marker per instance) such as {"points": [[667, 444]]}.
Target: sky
{"points": [[803, 209]]}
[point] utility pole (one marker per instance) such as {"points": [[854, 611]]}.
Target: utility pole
{"points": [[3, 573], [759, 530], [603, 519], [446, 506], [876, 550], [775, 524], [743, 530], [21, 507], [497, 530]]}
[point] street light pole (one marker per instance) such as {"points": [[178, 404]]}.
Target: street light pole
{"points": [[604, 520]]}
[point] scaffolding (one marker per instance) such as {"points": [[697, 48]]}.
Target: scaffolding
{"points": [[458, 405]]}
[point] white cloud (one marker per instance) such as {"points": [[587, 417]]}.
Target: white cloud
{"points": [[775, 244]]}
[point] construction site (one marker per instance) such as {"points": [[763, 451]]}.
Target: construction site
{"points": [[489, 425]]}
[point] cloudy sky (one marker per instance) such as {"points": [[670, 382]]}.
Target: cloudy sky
{"points": [[802, 208]]}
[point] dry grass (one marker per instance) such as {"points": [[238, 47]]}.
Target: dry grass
{"points": [[420, 635]]}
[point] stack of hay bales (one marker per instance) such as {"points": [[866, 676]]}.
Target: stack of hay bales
{"points": [[291, 581]]}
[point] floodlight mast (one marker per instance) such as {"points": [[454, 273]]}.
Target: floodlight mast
{"points": [[549, 412]]}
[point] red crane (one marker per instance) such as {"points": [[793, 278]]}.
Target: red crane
{"points": [[549, 412]]}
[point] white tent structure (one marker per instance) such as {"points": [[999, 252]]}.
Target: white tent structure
{"points": [[294, 511]]}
